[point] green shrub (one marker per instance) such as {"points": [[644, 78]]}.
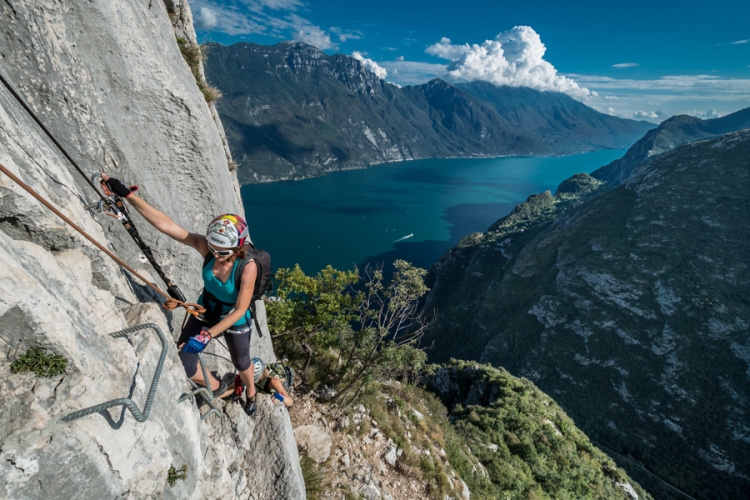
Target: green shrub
{"points": [[312, 476], [174, 474], [193, 56], [43, 365]]}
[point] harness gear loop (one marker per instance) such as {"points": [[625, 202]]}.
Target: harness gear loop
{"points": [[114, 206], [193, 309]]}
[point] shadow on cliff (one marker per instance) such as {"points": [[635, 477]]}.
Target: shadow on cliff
{"points": [[256, 139]]}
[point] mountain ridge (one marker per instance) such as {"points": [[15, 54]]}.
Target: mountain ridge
{"points": [[291, 111], [671, 133]]}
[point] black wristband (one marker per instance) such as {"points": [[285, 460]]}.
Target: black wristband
{"points": [[117, 187]]}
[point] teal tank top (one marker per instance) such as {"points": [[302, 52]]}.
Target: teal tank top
{"points": [[224, 291]]}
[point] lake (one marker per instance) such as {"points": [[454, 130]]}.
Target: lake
{"points": [[413, 210]]}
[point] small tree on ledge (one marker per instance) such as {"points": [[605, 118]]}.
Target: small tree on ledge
{"points": [[374, 331]]}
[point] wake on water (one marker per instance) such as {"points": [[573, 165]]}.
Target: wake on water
{"points": [[404, 238]]}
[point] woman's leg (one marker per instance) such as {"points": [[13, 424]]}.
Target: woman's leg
{"points": [[238, 343], [190, 361]]}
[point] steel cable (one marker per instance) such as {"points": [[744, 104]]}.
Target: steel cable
{"points": [[170, 303]]}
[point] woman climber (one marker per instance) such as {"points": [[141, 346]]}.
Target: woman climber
{"points": [[227, 304]]}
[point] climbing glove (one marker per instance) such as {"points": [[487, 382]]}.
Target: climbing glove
{"points": [[116, 186], [198, 342]]}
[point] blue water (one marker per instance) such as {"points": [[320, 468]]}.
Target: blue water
{"points": [[350, 218]]}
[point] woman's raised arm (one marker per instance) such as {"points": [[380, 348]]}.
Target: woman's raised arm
{"points": [[164, 223]]}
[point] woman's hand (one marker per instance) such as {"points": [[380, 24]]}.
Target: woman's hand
{"points": [[117, 187]]}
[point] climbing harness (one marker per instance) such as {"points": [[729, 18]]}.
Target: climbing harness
{"points": [[109, 203], [140, 416], [170, 302]]}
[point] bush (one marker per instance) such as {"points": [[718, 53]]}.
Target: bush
{"points": [[43, 365], [193, 57], [174, 474], [356, 335], [312, 476]]}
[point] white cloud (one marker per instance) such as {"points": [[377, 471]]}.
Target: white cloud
{"points": [[388, 48], [647, 114], [625, 65], [400, 58], [379, 71], [306, 32], [346, 35], [739, 42], [211, 16], [275, 4], [706, 115], [514, 57], [674, 83], [273, 18], [314, 36], [671, 95], [205, 19]]}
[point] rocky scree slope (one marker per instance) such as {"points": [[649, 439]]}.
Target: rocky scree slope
{"points": [[292, 111], [630, 310], [500, 437], [110, 83]]}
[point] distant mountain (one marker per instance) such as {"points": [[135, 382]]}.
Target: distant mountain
{"points": [[629, 307], [671, 133], [568, 124], [292, 111]]}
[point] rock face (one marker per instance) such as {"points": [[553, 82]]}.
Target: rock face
{"points": [[292, 111], [110, 83], [629, 309]]}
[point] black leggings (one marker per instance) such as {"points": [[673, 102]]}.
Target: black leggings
{"points": [[238, 342]]}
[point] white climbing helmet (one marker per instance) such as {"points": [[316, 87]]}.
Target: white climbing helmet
{"points": [[258, 368], [228, 231]]}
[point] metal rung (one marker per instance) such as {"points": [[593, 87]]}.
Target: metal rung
{"points": [[127, 402]]}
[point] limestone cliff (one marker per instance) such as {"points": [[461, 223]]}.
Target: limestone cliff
{"points": [[110, 83]]}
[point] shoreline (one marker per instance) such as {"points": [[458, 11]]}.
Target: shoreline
{"points": [[325, 172]]}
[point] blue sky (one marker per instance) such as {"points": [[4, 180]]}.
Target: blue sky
{"points": [[635, 59]]}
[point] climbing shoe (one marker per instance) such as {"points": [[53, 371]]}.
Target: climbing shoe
{"points": [[250, 406], [223, 386], [239, 387]]}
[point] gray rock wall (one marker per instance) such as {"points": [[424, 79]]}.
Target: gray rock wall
{"points": [[110, 82]]}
